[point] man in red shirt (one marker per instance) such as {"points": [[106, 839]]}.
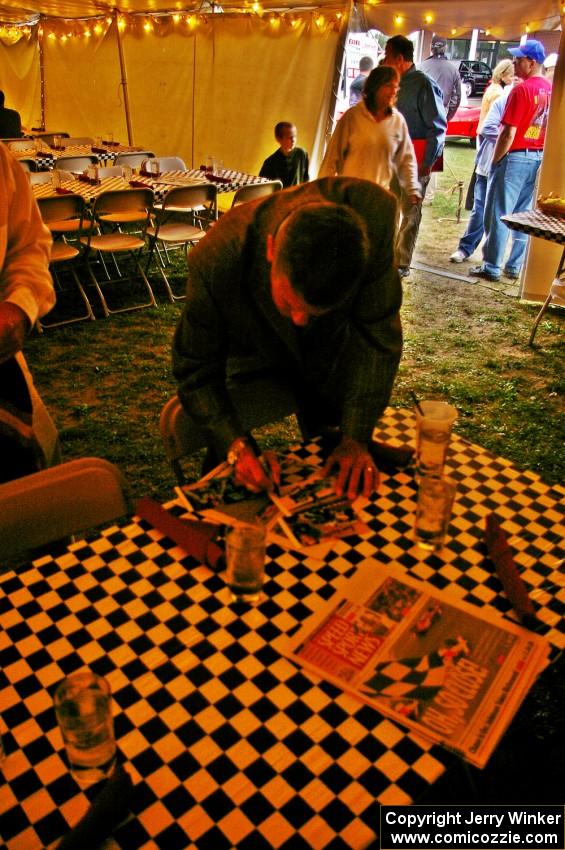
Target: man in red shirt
{"points": [[516, 159]]}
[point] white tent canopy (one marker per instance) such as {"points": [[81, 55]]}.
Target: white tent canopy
{"points": [[178, 79]]}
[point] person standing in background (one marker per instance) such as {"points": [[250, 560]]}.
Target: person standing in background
{"points": [[502, 76], [10, 121], [356, 88], [420, 100], [288, 164], [445, 74], [516, 158], [28, 438], [371, 140]]}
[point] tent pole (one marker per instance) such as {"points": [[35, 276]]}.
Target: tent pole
{"points": [[41, 73], [123, 78]]}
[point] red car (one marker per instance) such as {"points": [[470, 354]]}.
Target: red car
{"points": [[464, 124]]}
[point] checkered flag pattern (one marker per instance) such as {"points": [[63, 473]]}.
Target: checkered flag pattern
{"points": [[228, 743], [408, 678]]}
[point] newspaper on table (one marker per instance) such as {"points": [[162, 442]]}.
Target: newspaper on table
{"points": [[306, 514], [453, 672]]}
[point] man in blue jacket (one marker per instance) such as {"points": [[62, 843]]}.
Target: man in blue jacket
{"points": [[420, 100]]}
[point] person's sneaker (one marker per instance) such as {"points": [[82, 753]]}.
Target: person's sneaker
{"points": [[510, 274], [478, 271], [458, 256], [403, 271]]}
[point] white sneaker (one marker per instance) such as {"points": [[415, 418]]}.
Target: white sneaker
{"points": [[458, 256]]}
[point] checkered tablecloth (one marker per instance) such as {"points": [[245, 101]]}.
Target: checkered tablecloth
{"points": [[537, 223], [228, 743], [46, 160]]}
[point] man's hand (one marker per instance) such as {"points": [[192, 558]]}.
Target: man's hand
{"points": [[357, 473], [256, 473], [14, 325]]}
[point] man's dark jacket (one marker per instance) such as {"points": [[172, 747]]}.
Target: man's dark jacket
{"points": [[231, 327]]}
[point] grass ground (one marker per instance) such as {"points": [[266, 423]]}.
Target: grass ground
{"points": [[105, 383]]}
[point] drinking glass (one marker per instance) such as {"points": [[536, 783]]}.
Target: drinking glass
{"points": [[245, 558], [433, 425], [433, 511], [84, 713]]}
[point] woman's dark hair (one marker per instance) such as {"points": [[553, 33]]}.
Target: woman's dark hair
{"points": [[380, 76], [323, 249]]}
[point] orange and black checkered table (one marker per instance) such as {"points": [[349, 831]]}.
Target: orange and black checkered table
{"points": [[227, 742]]}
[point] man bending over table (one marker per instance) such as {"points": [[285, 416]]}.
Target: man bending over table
{"points": [[300, 288]]}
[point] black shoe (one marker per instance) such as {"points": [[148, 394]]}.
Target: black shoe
{"points": [[403, 271], [511, 275], [478, 271]]}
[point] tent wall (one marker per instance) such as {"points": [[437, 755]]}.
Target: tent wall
{"points": [[20, 79], [215, 89]]}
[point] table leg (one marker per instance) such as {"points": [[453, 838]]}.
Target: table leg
{"points": [[555, 283]]}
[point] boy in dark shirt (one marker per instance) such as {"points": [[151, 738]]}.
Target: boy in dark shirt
{"points": [[289, 164]]}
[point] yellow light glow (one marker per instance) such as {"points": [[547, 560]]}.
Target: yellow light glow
{"points": [[51, 35], [398, 19], [176, 18], [428, 18], [148, 26], [527, 28], [487, 32], [256, 7], [453, 31], [320, 21], [108, 21], [121, 24], [63, 38], [98, 29], [87, 33]]}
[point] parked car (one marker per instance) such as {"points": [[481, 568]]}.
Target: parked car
{"points": [[475, 75], [464, 124]]}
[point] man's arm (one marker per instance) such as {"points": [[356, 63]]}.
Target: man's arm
{"points": [[455, 98], [503, 143], [432, 112]]}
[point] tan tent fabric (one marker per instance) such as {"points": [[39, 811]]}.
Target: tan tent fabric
{"points": [[20, 79], [505, 20]]}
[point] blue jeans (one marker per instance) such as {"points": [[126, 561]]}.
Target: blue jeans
{"points": [[475, 226], [510, 189]]}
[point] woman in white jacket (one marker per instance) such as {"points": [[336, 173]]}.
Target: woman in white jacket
{"points": [[371, 139]]}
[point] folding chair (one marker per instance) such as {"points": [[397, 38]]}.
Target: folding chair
{"points": [[181, 221], [163, 163], [75, 163], [36, 177], [21, 145], [134, 160], [248, 193], [119, 208], [28, 164], [258, 403], [47, 506], [49, 138], [109, 171], [65, 217], [74, 141]]}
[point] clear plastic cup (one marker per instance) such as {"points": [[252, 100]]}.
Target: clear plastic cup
{"points": [[433, 435], [433, 511], [245, 559], [83, 706]]}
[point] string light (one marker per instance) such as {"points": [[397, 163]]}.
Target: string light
{"points": [[487, 32], [398, 19], [428, 18], [453, 31], [176, 18], [121, 24], [527, 28]]}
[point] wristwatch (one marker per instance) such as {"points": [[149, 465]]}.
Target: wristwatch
{"points": [[236, 449]]}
